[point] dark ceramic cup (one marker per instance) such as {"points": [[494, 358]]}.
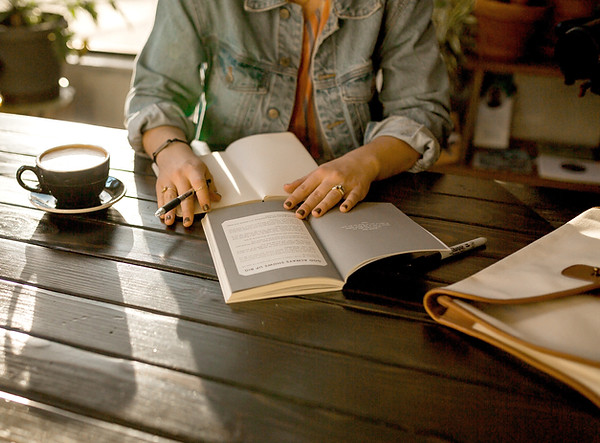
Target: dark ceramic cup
{"points": [[74, 174]]}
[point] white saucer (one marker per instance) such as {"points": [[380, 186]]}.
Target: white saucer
{"points": [[114, 190]]}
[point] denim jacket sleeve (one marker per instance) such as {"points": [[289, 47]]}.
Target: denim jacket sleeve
{"points": [[164, 88], [414, 93]]}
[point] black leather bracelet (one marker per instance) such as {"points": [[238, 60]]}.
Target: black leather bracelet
{"points": [[164, 145]]}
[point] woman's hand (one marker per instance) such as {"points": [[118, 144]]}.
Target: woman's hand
{"points": [[179, 171], [347, 179]]}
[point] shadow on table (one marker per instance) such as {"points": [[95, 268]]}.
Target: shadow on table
{"points": [[54, 330]]}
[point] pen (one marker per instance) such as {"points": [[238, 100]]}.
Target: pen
{"points": [[177, 201], [429, 261], [461, 248], [173, 203]]}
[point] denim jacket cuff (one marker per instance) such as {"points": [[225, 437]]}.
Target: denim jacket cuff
{"points": [[419, 137], [152, 116]]}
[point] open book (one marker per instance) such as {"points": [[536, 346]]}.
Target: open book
{"points": [[255, 168], [540, 304], [260, 250]]}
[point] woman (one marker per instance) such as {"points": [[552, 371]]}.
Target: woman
{"points": [[307, 66]]}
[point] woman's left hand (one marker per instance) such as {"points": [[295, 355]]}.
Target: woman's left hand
{"points": [[347, 179]]}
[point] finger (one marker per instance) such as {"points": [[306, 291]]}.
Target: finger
{"points": [[302, 189], [291, 187], [351, 200], [321, 197], [213, 193], [199, 183], [168, 193], [333, 197], [161, 189]]}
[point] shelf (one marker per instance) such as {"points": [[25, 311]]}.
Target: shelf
{"points": [[544, 68], [459, 158], [503, 176]]}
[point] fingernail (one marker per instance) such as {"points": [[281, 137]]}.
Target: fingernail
{"points": [[186, 220], [168, 217], [345, 207], [317, 211], [300, 212], [205, 208], [288, 204]]}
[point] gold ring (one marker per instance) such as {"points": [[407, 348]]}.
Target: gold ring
{"points": [[340, 189], [200, 188], [166, 188]]}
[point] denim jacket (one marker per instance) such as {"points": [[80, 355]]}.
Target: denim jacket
{"points": [[252, 48]]}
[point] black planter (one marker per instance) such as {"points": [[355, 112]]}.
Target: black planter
{"points": [[30, 66]]}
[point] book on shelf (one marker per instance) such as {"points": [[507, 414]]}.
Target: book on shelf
{"points": [[540, 304], [254, 168], [261, 250]]}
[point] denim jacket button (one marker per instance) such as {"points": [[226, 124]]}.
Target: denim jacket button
{"points": [[273, 113], [284, 13], [284, 61]]}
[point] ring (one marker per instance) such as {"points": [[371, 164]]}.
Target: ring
{"points": [[340, 189], [166, 188], [200, 188]]}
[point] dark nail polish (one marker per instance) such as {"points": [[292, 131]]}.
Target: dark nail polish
{"points": [[168, 217], [317, 211], [288, 204], [186, 220], [301, 212], [205, 208], [345, 207]]}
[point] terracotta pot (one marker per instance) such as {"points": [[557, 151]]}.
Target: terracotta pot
{"points": [[30, 68], [569, 9], [504, 29]]}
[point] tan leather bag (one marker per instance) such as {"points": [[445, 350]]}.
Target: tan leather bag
{"points": [[541, 304]]}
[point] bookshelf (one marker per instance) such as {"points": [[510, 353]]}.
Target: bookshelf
{"points": [[458, 159]]}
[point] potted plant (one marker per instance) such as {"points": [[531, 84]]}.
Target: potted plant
{"points": [[454, 22], [34, 40], [506, 26]]}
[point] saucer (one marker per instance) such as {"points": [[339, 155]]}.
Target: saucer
{"points": [[113, 191]]}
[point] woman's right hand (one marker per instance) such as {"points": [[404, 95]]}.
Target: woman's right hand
{"points": [[179, 171]]}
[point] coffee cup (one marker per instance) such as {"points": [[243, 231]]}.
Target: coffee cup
{"points": [[74, 174]]}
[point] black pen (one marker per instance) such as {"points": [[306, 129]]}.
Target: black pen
{"points": [[429, 261], [177, 200], [174, 203]]}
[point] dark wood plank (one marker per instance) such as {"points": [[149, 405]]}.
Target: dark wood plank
{"points": [[191, 408], [557, 206], [167, 403], [24, 421]]}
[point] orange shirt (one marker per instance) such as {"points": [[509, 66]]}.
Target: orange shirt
{"points": [[304, 121]]}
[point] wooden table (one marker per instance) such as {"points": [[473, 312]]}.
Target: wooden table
{"points": [[114, 327]]}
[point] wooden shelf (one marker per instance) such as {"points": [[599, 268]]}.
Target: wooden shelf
{"points": [[458, 160], [543, 68], [504, 176]]}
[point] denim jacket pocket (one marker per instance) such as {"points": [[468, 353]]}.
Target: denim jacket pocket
{"points": [[238, 88], [240, 75], [357, 90]]}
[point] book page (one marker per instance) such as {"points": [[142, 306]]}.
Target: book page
{"points": [[233, 186], [270, 241], [269, 161], [368, 232], [269, 247]]}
